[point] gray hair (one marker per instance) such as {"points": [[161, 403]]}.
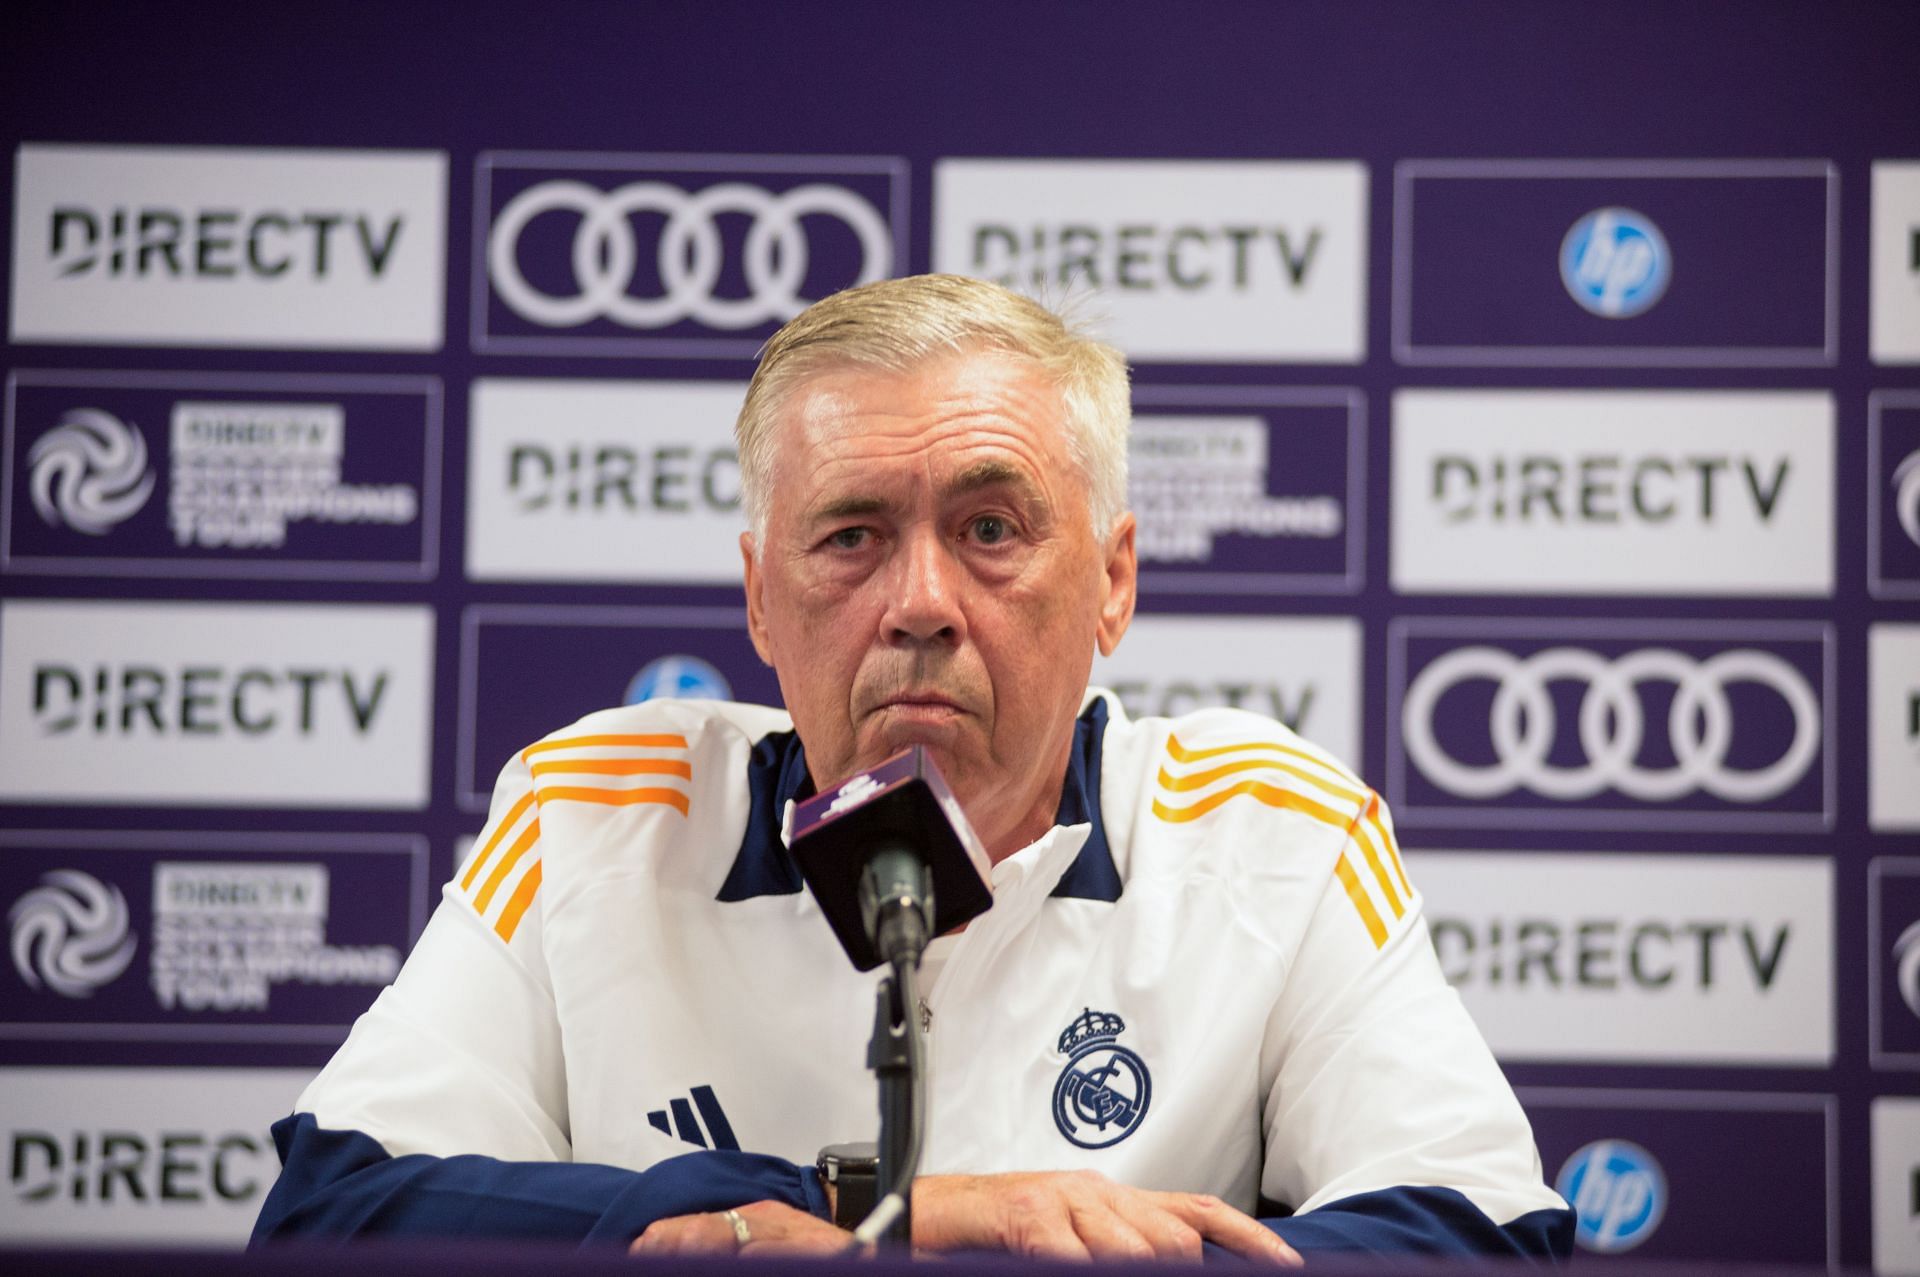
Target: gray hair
{"points": [[896, 324]]}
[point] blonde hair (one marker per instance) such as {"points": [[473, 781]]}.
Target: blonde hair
{"points": [[897, 324]]}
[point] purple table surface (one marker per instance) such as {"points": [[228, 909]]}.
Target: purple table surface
{"points": [[482, 1259]]}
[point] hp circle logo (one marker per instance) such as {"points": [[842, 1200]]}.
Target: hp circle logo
{"points": [[650, 254], [1619, 1192], [682, 677], [1615, 263]]}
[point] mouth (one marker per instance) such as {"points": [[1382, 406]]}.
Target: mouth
{"points": [[920, 707]]}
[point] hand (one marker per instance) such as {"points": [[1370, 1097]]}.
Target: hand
{"points": [[1081, 1215], [773, 1228]]}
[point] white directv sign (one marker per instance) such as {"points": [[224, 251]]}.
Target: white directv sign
{"points": [[1303, 671], [1206, 260], [1893, 727], [1638, 958], [225, 246], [625, 481], [1895, 301], [1613, 492], [197, 704], [1896, 1187], [137, 1157]]}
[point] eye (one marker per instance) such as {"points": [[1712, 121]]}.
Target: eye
{"points": [[991, 529], [849, 538]]}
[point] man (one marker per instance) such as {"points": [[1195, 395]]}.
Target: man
{"points": [[1204, 986]]}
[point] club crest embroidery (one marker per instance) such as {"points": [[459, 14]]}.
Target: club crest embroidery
{"points": [[1103, 1092]]}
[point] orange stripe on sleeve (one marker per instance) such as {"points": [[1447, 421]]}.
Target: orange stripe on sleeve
{"points": [[1181, 754], [517, 903], [615, 797], [1268, 794], [505, 867], [1343, 869], [1365, 843], [590, 742], [499, 832], [616, 767], [1199, 780], [1379, 827]]}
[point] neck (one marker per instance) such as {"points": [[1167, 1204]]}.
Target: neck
{"points": [[1040, 810]]}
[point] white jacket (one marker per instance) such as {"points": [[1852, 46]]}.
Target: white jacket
{"points": [[1212, 974]]}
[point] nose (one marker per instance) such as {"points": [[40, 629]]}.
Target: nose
{"points": [[924, 592]]}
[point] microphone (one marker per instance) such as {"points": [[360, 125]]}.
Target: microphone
{"points": [[891, 860], [896, 905]]}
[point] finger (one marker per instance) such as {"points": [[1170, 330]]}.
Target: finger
{"points": [[1173, 1238], [1221, 1224], [1107, 1234], [1048, 1236], [707, 1233], [654, 1240], [777, 1228], [804, 1242], [677, 1235]]}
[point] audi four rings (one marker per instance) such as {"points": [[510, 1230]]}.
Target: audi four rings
{"points": [[1611, 724], [606, 252]]}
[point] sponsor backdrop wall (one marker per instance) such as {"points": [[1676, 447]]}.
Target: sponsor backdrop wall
{"points": [[1529, 410]]}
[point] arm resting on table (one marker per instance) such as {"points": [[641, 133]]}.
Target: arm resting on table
{"points": [[340, 1184]]}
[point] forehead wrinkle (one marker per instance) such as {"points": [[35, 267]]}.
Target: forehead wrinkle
{"points": [[834, 420]]}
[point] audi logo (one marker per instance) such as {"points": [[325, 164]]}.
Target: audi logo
{"points": [[1611, 724], [606, 251]]}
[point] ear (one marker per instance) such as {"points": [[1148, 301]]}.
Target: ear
{"points": [[1121, 576], [756, 604]]}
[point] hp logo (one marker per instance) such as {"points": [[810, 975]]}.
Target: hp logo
{"points": [[681, 677], [1615, 263], [1619, 1192]]}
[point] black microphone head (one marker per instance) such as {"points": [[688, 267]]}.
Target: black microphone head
{"points": [[901, 805]]}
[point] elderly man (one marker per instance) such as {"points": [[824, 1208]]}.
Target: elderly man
{"points": [[1204, 988]]}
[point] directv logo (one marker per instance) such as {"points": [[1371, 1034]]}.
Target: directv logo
{"points": [[680, 677], [1615, 263], [1619, 1192]]}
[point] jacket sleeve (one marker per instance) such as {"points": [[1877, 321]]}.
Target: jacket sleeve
{"points": [[445, 1111], [1389, 1126]]}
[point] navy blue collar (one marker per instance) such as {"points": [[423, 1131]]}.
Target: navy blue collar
{"points": [[777, 775]]}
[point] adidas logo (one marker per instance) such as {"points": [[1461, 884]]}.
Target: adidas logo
{"points": [[687, 1127]]}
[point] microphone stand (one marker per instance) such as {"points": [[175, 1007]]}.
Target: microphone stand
{"points": [[896, 904], [893, 1054]]}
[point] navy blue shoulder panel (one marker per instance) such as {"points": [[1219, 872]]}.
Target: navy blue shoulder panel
{"points": [[340, 1184], [1091, 876], [1425, 1221], [776, 775]]}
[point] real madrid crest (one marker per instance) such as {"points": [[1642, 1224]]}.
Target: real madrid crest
{"points": [[1103, 1092]]}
